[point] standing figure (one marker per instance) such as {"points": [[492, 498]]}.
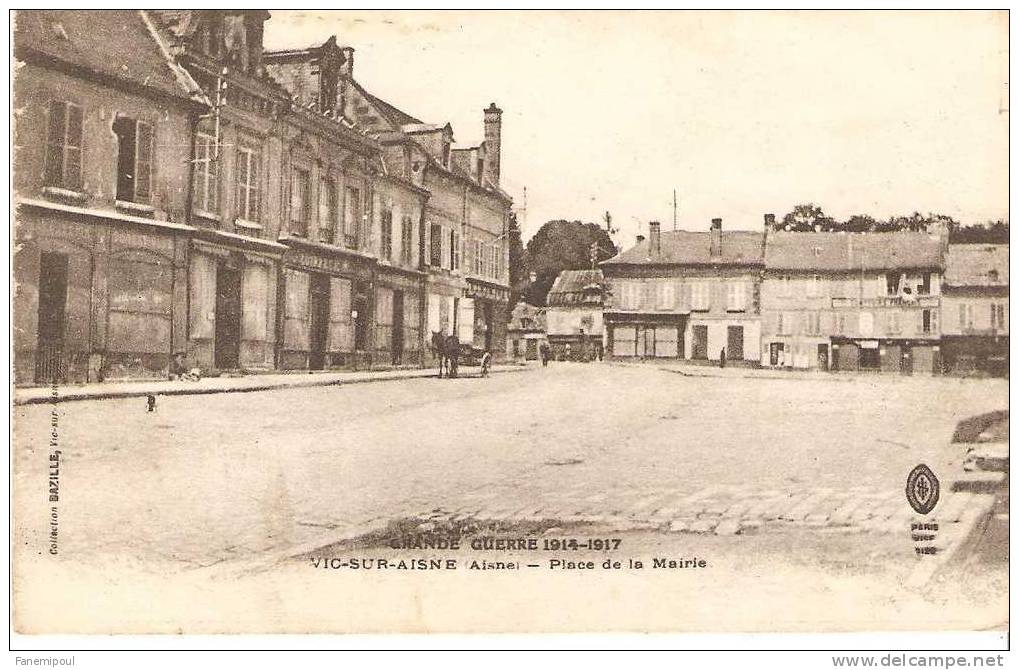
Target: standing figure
{"points": [[544, 354], [721, 358]]}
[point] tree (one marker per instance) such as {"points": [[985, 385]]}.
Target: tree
{"points": [[991, 232], [518, 273], [562, 245], [806, 218], [858, 223]]}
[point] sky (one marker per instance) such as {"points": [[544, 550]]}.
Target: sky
{"points": [[741, 113]]}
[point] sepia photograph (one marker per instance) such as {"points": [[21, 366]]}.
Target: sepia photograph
{"points": [[535, 322]]}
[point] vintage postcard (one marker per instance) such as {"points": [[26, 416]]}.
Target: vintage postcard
{"points": [[510, 322]]}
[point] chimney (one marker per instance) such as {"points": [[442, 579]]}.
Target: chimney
{"points": [[655, 234], [769, 221], [716, 238], [493, 142], [347, 67]]}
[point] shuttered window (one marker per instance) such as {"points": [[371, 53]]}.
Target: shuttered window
{"points": [[63, 145], [134, 159]]}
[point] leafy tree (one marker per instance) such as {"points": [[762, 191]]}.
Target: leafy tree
{"points": [[517, 266], [991, 232], [562, 245], [807, 217], [858, 223]]}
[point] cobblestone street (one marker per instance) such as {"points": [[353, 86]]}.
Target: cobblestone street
{"points": [[205, 479]]}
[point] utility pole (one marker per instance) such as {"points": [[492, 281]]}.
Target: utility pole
{"points": [[674, 207]]}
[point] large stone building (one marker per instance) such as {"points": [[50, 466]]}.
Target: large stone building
{"points": [[686, 295], [852, 301], [180, 190], [102, 122], [354, 230], [464, 231], [974, 309]]}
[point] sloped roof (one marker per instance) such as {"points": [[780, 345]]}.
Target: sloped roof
{"points": [[852, 251], [977, 265], [395, 116], [576, 287], [683, 247], [119, 44]]}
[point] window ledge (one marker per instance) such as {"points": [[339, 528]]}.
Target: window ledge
{"points": [[136, 207], [247, 225], [64, 194], [208, 216]]}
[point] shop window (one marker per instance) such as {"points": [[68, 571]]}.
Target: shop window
{"points": [[134, 159], [63, 146]]}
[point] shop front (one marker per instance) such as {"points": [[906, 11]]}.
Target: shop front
{"points": [[398, 337], [488, 316], [325, 298], [896, 356], [645, 335], [96, 298]]}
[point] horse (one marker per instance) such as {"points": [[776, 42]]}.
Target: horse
{"points": [[447, 349]]}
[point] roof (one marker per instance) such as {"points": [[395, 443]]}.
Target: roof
{"points": [[118, 44], [976, 265], [683, 247], [852, 251], [395, 116], [576, 287], [525, 310]]}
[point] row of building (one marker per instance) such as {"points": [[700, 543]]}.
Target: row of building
{"points": [[906, 302], [178, 188]]}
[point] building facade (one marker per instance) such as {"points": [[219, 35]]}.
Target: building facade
{"points": [[852, 301], [102, 237], [526, 332], [574, 315], [974, 309], [181, 190], [686, 295], [463, 233], [237, 203], [352, 279]]}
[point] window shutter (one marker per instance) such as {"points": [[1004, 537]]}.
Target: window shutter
{"points": [[73, 142], [54, 170], [143, 162]]}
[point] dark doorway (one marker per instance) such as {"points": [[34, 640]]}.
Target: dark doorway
{"points": [[734, 344], [700, 342], [906, 366], [775, 357], [319, 290], [870, 359], [486, 310], [49, 355], [397, 327], [822, 357], [228, 317]]}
